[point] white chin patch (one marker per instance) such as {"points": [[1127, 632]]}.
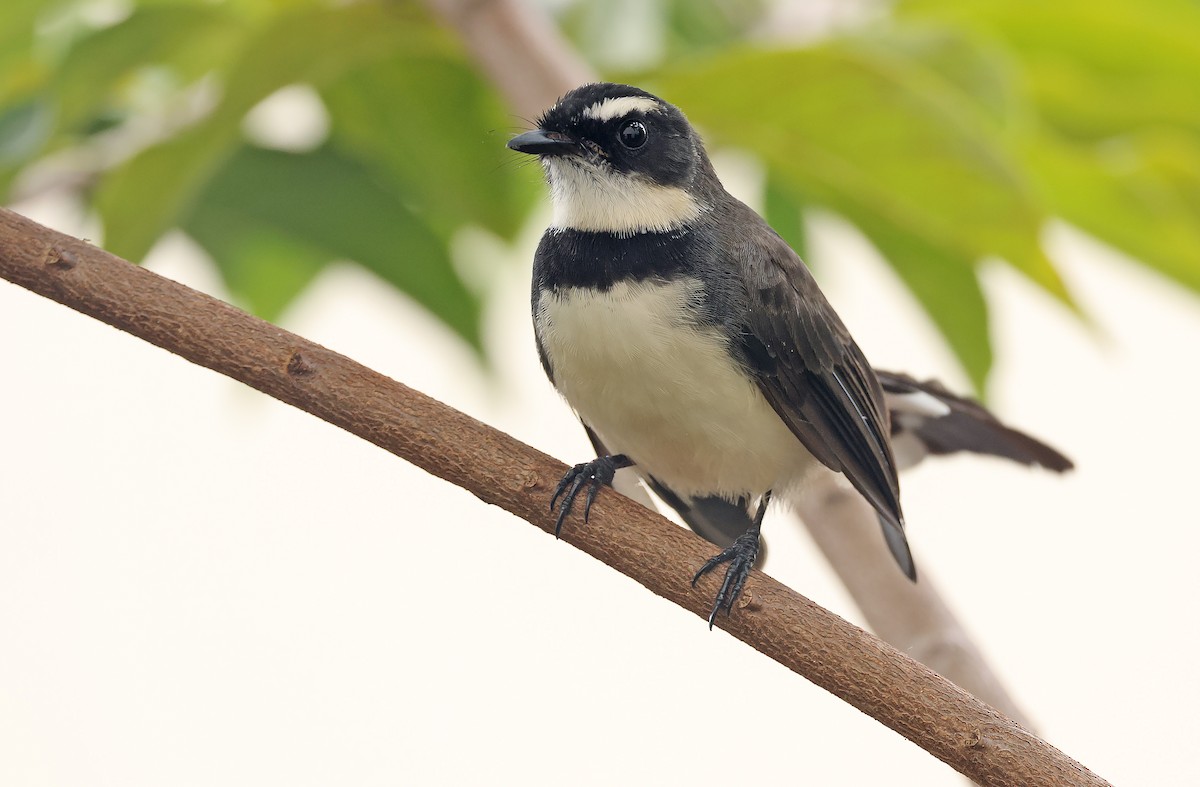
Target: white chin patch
{"points": [[611, 108], [593, 199]]}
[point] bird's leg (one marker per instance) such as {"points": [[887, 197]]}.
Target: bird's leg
{"points": [[740, 555], [597, 473]]}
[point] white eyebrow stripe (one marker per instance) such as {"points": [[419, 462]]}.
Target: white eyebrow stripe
{"points": [[621, 106]]}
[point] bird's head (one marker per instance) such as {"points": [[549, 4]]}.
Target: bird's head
{"points": [[620, 160]]}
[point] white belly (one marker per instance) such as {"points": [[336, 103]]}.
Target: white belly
{"points": [[665, 392]]}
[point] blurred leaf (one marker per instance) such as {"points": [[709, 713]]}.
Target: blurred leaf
{"points": [[323, 206], [23, 128], [17, 26], [696, 25], [1117, 86], [439, 129], [1093, 69], [146, 196], [947, 288], [193, 39], [318, 45], [977, 68], [264, 268], [1141, 194]]}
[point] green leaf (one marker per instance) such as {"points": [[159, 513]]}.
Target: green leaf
{"points": [[18, 21], [146, 196], [324, 206], [191, 39], [696, 25], [23, 129], [946, 287], [1093, 69], [977, 68], [264, 267], [438, 128], [867, 134], [1142, 195], [318, 45]]}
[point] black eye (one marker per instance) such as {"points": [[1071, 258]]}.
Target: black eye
{"points": [[632, 134]]}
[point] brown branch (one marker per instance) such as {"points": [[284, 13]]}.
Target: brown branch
{"points": [[911, 616], [500, 470], [531, 65]]}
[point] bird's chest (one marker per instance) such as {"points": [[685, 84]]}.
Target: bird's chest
{"points": [[659, 385], [635, 349]]}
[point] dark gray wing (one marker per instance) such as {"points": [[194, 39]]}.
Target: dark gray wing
{"points": [[815, 377], [960, 424]]}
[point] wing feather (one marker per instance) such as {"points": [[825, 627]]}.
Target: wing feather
{"points": [[813, 374]]}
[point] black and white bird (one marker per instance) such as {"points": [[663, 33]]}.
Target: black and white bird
{"points": [[694, 344]]}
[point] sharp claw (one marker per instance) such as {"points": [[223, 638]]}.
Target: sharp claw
{"points": [[562, 485], [743, 575], [740, 556], [708, 566], [591, 497], [558, 523], [596, 473], [580, 480]]}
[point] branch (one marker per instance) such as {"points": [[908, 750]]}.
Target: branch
{"points": [[531, 65], [909, 615], [521, 52], [872, 676]]}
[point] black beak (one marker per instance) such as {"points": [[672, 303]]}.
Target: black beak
{"points": [[544, 143]]}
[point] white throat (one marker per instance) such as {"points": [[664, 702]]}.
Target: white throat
{"points": [[593, 200]]}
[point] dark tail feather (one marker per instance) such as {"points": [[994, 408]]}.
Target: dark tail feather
{"points": [[941, 422], [898, 546]]}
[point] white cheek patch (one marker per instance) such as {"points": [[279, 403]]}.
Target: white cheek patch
{"points": [[611, 108], [598, 200]]}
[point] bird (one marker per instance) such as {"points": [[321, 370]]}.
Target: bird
{"points": [[693, 342]]}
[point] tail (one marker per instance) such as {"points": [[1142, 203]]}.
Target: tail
{"points": [[898, 545], [928, 419]]}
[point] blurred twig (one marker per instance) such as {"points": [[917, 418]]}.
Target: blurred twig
{"points": [[874, 677], [531, 64], [521, 52], [911, 616]]}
